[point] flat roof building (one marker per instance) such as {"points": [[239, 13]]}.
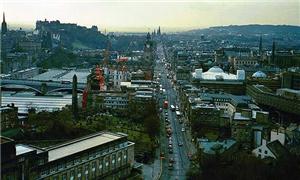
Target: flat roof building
{"points": [[102, 155]]}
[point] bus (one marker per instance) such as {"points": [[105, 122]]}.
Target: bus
{"points": [[165, 104]]}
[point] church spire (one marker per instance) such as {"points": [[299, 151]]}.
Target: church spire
{"points": [[148, 36], [158, 31], [3, 25]]}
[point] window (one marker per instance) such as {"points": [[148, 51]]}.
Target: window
{"points": [[94, 167], [86, 169], [41, 161], [64, 176], [266, 152], [45, 172], [72, 173], [259, 150], [79, 172]]}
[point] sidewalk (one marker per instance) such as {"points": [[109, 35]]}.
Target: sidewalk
{"points": [[152, 171]]}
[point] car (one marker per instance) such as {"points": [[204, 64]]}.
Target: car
{"points": [[170, 143], [182, 129], [170, 151], [170, 166], [170, 146], [171, 160], [180, 143], [190, 156], [162, 154]]}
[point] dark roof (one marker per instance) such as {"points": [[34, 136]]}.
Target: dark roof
{"points": [[277, 149], [5, 140]]}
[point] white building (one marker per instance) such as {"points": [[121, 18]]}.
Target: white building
{"points": [[272, 149], [216, 73]]}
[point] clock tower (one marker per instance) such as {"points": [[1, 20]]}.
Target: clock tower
{"points": [[148, 49]]}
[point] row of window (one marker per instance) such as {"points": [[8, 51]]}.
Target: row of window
{"points": [[91, 156], [95, 168], [116, 102], [266, 152], [87, 172]]}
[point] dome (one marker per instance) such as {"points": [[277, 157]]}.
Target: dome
{"points": [[215, 69], [259, 74]]}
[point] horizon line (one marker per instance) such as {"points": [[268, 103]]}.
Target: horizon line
{"points": [[123, 29]]}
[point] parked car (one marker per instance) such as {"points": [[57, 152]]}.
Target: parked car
{"points": [[171, 160], [170, 166]]}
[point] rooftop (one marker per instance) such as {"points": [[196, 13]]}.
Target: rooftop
{"points": [[210, 147], [63, 75], [81, 144], [239, 116], [22, 149]]}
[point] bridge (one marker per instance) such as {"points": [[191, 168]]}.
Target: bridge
{"points": [[41, 87]]}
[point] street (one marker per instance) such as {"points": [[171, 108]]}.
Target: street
{"points": [[175, 161]]}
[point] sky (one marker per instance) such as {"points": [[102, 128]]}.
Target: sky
{"points": [[145, 15]]}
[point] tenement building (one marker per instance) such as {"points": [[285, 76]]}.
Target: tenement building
{"points": [[102, 155]]}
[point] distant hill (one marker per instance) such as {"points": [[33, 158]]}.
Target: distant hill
{"points": [[251, 29], [284, 35]]}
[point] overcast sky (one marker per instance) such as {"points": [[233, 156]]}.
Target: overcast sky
{"points": [[144, 15]]}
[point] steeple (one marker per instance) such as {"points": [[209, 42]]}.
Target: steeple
{"points": [[3, 25], [148, 36], [158, 31]]}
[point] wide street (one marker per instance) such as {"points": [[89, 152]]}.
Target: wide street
{"points": [[177, 147]]}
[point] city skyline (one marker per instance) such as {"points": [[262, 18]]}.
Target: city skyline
{"points": [[143, 16]]}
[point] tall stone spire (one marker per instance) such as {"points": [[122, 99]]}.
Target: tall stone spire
{"points": [[74, 98], [3, 25], [158, 31], [148, 36]]}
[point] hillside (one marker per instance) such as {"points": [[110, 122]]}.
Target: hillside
{"points": [[283, 34]]}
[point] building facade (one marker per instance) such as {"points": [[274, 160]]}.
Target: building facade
{"points": [[102, 155]]}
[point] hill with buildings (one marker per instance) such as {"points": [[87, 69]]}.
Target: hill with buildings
{"points": [[72, 35], [283, 34]]}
